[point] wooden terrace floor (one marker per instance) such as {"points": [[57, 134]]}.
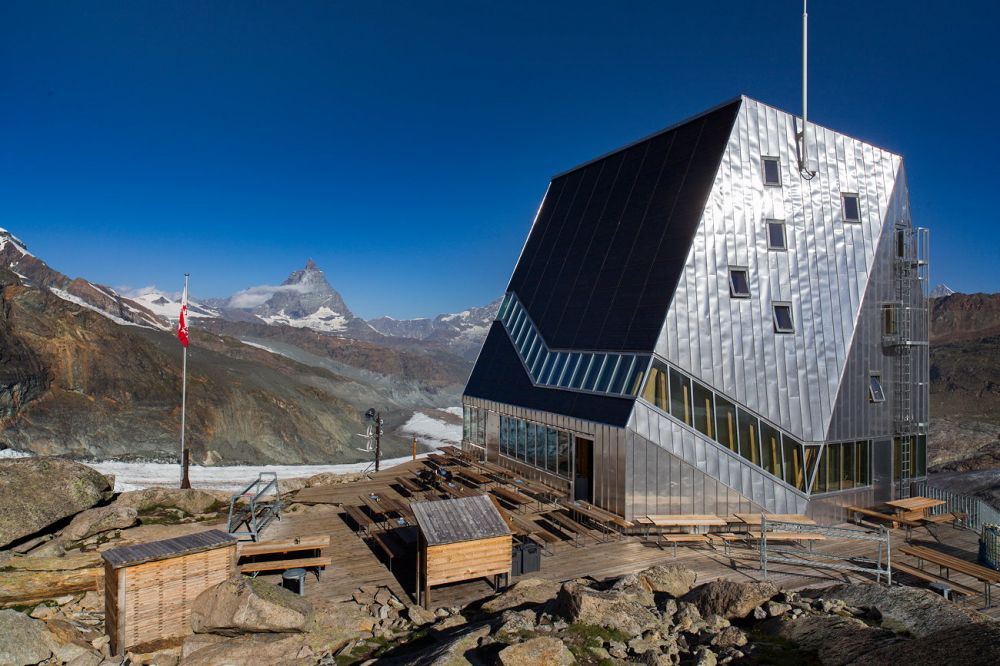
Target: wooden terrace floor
{"points": [[357, 562]]}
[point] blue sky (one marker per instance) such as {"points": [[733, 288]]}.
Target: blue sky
{"points": [[405, 146]]}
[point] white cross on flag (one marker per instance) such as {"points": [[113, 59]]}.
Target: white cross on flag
{"points": [[182, 326]]}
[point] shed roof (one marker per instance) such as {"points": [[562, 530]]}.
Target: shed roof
{"points": [[462, 519], [167, 548]]}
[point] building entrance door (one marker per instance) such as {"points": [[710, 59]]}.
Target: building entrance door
{"points": [[584, 478], [882, 470]]}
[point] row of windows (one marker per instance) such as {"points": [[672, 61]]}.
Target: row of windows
{"points": [[535, 444], [850, 203], [474, 425], [843, 466], [714, 416], [615, 374]]}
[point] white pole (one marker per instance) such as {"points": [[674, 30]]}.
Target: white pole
{"points": [[184, 391], [805, 67]]}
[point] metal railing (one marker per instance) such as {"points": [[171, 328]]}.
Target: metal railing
{"points": [[977, 511], [880, 566], [255, 506]]}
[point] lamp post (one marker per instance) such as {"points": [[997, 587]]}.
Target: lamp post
{"points": [[376, 418]]}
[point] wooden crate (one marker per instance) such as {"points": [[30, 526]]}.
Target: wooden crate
{"points": [[149, 588]]}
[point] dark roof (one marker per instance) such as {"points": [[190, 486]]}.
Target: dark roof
{"points": [[499, 375], [167, 548], [463, 519], [605, 254]]}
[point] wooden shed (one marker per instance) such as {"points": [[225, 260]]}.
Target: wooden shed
{"points": [[460, 539], [149, 587]]}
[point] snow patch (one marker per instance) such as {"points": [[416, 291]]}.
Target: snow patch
{"points": [[66, 296], [265, 348], [11, 453], [324, 319], [457, 411], [433, 432]]}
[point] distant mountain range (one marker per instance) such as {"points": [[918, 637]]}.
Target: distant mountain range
{"points": [[277, 374], [941, 291]]}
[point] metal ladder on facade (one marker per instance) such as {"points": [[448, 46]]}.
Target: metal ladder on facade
{"points": [[910, 267]]}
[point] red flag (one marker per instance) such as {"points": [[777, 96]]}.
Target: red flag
{"points": [[182, 326]]}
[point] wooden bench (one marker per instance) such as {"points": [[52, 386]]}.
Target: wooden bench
{"points": [[726, 539], [284, 565], [941, 518], [675, 539], [808, 537], [293, 544], [894, 520], [382, 540], [567, 525], [409, 485], [360, 518], [948, 563], [931, 578], [533, 532]]}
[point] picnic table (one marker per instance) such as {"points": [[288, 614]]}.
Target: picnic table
{"points": [[754, 519], [947, 563], [473, 477], [511, 496], [568, 525], [376, 505], [604, 520], [296, 553], [914, 507]]}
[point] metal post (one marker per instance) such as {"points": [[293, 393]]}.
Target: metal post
{"points": [[185, 480], [378, 439]]}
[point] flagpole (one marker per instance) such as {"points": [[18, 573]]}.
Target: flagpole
{"points": [[185, 481]]}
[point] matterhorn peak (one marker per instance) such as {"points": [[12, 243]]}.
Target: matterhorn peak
{"points": [[311, 265]]}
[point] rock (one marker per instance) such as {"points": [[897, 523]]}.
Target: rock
{"points": [[190, 501], [22, 639], [525, 592], [419, 616], [93, 659], [450, 622], [617, 649], [759, 613], [541, 650], [976, 643], [383, 595], [704, 657], [612, 609], [67, 642], [775, 609], [452, 652], [513, 621], [730, 637], [715, 623], [729, 599], [635, 589], [915, 611], [246, 605], [92, 601], [673, 580], [35, 493], [102, 519], [43, 612], [337, 624], [271, 649], [688, 618], [837, 640]]}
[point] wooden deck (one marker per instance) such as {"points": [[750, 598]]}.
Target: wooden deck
{"points": [[359, 562]]}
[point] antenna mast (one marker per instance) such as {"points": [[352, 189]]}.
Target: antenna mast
{"points": [[803, 169]]}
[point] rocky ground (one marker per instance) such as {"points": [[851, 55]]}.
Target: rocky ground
{"points": [[663, 615]]}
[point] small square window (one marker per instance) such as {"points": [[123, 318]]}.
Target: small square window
{"points": [[739, 283], [875, 391], [783, 318], [776, 235], [772, 170], [852, 208]]}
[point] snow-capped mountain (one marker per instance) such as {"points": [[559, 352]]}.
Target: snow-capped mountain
{"points": [[168, 305], [941, 291], [31, 270], [462, 332], [304, 300]]}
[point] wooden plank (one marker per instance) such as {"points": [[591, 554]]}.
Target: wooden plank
{"points": [[313, 542], [284, 565]]}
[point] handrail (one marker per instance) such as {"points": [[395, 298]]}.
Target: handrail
{"points": [[978, 512], [837, 563]]}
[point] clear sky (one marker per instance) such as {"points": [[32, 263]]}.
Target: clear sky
{"points": [[405, 146]]}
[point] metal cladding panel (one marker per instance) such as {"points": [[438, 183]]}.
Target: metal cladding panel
{"points": [[686, 445], [854, 415], [500, 376], [604, 255], [730, 343]]}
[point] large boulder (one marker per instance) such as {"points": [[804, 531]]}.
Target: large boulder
{"points": [[271, 649], [673, 580], [22, 639], [612, 609], [248, 605], [976, 643], [189, 500], [101, 519], [525, 592], [336, 624], [36, 493], [541, 650], [837, 640], [905, 609], [730, 599], [452, 651]]}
